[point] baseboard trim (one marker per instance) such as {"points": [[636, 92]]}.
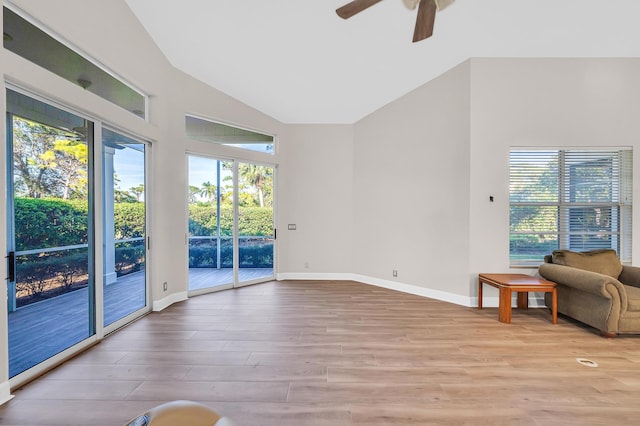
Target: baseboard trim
{"points": [[391, 285], [418, 291], [5, 392], [489, 302], [164, 303], [307, 276]]}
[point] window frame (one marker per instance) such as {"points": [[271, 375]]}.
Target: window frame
{"points": [[619, 204]]}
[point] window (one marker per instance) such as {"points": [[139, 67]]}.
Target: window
{"points": [[569, 199], [25, 39], [210, 131]]}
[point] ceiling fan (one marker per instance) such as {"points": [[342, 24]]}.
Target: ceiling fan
{"points": [[424, 22]]}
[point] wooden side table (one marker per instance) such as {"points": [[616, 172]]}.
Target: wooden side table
{"points": [[522, 284]]}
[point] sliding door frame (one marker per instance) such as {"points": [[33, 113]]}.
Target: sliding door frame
{"points": [[147, 246], [237, 282], [95, 236], [236, 238]]}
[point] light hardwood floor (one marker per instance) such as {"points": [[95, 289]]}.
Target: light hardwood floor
{"points": [[343, 353]]}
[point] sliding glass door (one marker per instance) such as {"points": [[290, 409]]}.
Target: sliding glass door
{"points": [[211, 208], [60, 293], [231, 224], [51, 294], [256, 234], [124, 226]]}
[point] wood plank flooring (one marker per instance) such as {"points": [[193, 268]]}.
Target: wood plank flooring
{"points": [[200, 278], [41, 330], [343, 353]]}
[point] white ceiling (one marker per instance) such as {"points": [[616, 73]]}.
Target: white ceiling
{"points": [[298, 62]]}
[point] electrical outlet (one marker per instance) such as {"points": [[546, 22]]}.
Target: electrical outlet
{"points": [[395, 273], [165, 286], [306, 265]]}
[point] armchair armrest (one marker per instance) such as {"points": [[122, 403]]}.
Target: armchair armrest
{"points": [[587, 281], [630, 275]]}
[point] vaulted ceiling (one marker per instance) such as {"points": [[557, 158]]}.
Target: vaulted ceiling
{"points": [[298, 62]]}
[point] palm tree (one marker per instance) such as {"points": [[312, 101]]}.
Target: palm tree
{"points": [[137, 191], [194, 191], [209, 191], [260, 177]]}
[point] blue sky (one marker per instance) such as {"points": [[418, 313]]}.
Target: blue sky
{"points": [[128, 164]]}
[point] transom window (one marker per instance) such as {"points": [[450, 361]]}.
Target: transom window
{"points": [[223, 134], [40, 46], [577, 199]]}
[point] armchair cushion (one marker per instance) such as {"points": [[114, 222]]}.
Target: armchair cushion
{"points": [[601, 261]]}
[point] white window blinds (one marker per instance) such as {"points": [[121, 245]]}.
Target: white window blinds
{"points": [[569, 199]]}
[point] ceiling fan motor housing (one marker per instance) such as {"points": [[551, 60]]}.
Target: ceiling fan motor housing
{"points": [[411, 4], [440, 4], [443, 4]]}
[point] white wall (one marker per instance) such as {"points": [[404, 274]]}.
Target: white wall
{"points": [[315, 184], [426, 164], [411, 188], [541, 103]]}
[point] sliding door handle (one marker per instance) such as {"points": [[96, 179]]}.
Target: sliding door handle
{"points": [[11, 266]]}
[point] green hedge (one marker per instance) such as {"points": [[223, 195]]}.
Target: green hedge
{"points": [[252, 221], [202, 220], [129, 220], [255, 221], [43, 223]]}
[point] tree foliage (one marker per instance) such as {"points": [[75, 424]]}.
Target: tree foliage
{"points": [[137, 191], [258, 180], [48, 162]]}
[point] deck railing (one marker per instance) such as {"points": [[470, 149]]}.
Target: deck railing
{"points": [[44, 273], [217, 252]]}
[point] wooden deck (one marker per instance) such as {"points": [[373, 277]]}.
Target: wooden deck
{"points": [[44, 329], [200, 278]]}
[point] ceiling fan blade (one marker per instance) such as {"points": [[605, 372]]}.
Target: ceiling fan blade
{"points": [[425, 20], [356, 6]]}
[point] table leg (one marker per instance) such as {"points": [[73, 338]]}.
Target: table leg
{"points": [[523, 300], [554, 306], [504, 310], [479, 293]]}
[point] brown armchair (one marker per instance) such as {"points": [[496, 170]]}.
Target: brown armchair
{"points": [[596, 289]]}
